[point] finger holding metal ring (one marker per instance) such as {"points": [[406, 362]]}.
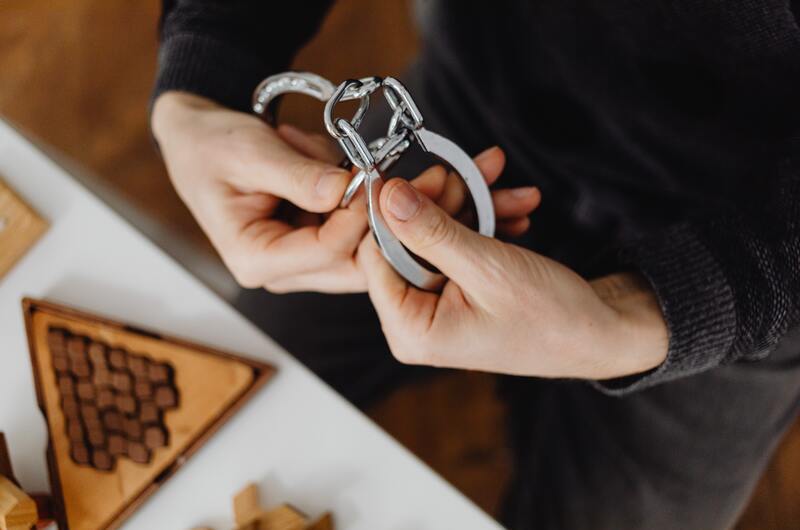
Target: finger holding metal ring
{"points": [[391, 247], [386, 151]]}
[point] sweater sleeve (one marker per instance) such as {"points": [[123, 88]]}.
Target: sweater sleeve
{"points": [[222, 49], [728, 286]]}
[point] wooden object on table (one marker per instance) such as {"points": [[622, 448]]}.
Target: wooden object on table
{"points": [[17, 509], [44, 507], [41, 502], [20, 227], [124, 408], [249, 515], [5, 460]]}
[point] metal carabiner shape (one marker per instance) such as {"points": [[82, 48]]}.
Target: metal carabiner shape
{"points": [[268, 91]]}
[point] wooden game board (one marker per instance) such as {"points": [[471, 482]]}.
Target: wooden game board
{"points": [[124, 407]]}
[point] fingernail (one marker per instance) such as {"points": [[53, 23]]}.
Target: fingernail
{"points": [[290, 130], [330, 182], [523, 193], [486, 154], [286, 127], [403, 202]]}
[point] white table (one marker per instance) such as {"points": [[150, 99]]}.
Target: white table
{"points": [[297, 438]]}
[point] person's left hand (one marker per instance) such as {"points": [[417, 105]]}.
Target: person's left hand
{"points": [[505, 309]]}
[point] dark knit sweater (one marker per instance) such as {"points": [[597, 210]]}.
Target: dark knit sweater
{"points": [[669, 130]]}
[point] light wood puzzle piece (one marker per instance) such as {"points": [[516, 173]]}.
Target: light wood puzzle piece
{"points": [[5, 460], [20, 227], [17, 509], [249, 515], [124, 408]]}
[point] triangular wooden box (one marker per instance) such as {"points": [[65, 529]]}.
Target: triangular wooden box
{"points": [[210, 385]]}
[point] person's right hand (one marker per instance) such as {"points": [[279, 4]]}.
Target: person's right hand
{"points": [[233, 172]]}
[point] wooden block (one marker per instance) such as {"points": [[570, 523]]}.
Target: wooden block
{"points": [[106, 458], [323, 523], [5, 460], [246, 505], [249, 514], [20, 227], [17, 509], [284, 517]]}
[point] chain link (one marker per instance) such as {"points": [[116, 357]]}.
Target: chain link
{"points": [[406, 116], [354, 146]]}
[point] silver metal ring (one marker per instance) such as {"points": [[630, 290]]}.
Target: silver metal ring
{"points": [[391, 247], [327, 115], [386, 151]]}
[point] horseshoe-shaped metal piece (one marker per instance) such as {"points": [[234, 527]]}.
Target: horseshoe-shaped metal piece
{"points": [[266, 94], [391, 247]]}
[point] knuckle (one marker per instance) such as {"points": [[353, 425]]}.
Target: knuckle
{"points": [[303, 173], [321, 139], [335, 251], [426, 350], [438, 231], [401, 349], [245, 274], [245, 277], [500, 269], [248, 144], [304, 176], [404, 355], [276, 287], [417, 351]]}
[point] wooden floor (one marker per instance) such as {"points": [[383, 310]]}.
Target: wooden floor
{"points": [[77, 74]]}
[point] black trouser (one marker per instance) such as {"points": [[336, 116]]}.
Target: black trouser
{"points": [[683, 455]]}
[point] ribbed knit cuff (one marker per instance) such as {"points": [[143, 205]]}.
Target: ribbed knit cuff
{"points": [[697, 303], [209, 68]]}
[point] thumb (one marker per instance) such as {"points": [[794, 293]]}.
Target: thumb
{"points": [[313, 185], [430, 233]]}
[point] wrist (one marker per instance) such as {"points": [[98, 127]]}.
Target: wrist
{"points": [[172, 108], [640, 336]]}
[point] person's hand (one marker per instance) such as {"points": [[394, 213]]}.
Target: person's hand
{"points": [[233, 172], [262, 195], [505, 309]]}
